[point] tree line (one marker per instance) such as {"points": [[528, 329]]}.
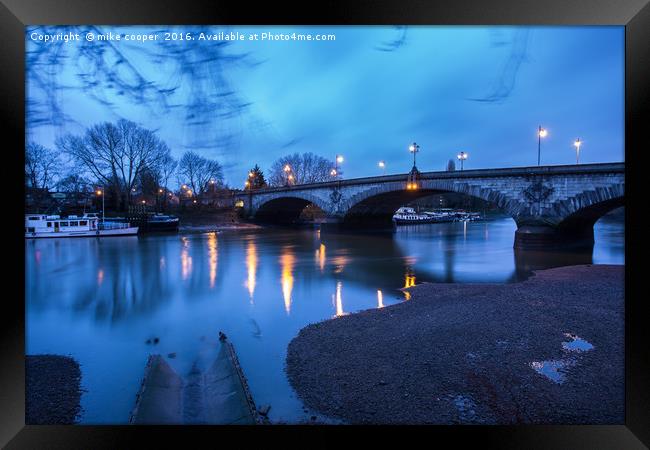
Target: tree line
{"points": [[122, 160]]}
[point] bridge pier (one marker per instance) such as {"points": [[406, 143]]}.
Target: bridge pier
{"points": [[545, 237]]}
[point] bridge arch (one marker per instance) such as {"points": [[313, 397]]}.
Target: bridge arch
{"points": [[376, 205], [286, 207], [583, 210]]}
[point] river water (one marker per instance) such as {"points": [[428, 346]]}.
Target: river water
{"points": [[100, 300]]}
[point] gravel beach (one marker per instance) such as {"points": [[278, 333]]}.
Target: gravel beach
{"points": [[52, 390], [547, 350]]}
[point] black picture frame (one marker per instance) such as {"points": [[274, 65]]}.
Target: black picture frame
{"points": [[15, 14]]}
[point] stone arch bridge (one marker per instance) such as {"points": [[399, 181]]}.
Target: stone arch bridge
{"points": [[551, 205]]}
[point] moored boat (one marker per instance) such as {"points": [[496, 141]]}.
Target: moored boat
{"points": [[89, 225], [408, 216], [150, 222]]}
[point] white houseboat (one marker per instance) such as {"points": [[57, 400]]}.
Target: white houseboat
{"points": [[407, 216], [44, 226]]}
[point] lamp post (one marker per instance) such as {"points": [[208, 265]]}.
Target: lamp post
{"points": [[577, 143], [382, 166], [101, 193], [414, 148], [337, 161], [541, 132], [287, 169], [462, 156]]}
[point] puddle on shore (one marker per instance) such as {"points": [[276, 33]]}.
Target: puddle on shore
{"points": [[577, 344], [555, 370]]}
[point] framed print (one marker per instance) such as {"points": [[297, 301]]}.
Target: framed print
{"points": [[404, 216]]}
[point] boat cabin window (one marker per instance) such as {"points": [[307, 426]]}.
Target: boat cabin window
{"points": [[33, 218], [64, 224], [74, 224], [49, 224], [83, 223], [30, 229]]}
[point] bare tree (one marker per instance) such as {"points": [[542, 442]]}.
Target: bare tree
{"points": [[304, 168], [116, 154], [42, 165], [74, 184], [198, 172], [167, 167]]}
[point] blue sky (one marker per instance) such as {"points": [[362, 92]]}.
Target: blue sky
{"points": [[482, 90]]}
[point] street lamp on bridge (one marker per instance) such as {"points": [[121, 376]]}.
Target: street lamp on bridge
{"points": [[577, 143], [541, 133], [287, 169], [335, 171], [382, 166], [414, 148], [462, 156]]}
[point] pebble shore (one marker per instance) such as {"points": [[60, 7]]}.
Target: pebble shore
{"points": [[52, 390], [548, 350]]}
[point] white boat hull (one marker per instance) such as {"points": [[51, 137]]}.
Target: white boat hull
{"points": [[84, 233]]}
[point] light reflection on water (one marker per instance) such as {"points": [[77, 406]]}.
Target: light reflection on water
{"points": [[251, 267], [100, 300]]}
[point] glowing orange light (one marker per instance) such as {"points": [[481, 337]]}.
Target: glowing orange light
{"points": [[287, 262], [251, 267], [212, 251]]}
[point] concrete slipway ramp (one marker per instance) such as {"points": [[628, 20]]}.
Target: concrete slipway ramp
{"points": [[218, 396]]}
